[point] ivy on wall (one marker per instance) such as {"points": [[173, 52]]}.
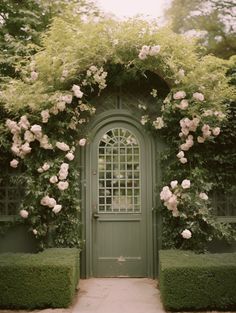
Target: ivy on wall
{"points": [[47, 111]]}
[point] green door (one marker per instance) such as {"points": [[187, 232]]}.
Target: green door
{"points": [[119, 208]]}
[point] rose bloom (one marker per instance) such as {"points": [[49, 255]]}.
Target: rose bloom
{"points": [[82, 142], [183, 104], [63, 185], [183, 160], [198, 96], [180, 154], [51, 202], [14, 163], [142, 55], [70, 156], [172, 202], [194, 124], [62, 146], [67, 98], [165, 193], [36, 129], [64, 166], [45, 116], [15, 149], [145, 49], [158, 123], [205, 128], [179, 95], [17, 139], [186, 184], [154, 50], [175, 212], [189, 140], [57, 208], [24, 123], [28, 136], [200, 139], [24, 213], [44, 143], [45, 166], [77, 92], [40, 170], [35, 231], [53, 179], [12, 125], [26, 148], [174, 183], [93, 68], [186, 234], [216, 131], [185, 131], [203, 196], [61, 106], [63, 174], [44, 201], [206, 134], [185, 146]]}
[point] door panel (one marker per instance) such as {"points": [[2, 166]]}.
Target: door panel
{"points": [[119, 207]]}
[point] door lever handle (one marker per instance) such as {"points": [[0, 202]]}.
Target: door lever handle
{"points": [[95, 216]]}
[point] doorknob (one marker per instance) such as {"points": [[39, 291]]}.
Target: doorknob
{"points": [[95, 216]]}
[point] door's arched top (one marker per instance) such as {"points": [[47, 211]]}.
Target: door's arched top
{"points": [[119, 137], [107, 120]]}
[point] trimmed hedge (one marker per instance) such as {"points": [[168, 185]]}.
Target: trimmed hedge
{"points": [[46, 279], [190, 281]]}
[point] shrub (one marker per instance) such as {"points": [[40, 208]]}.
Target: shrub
{"points": [[191, 281], [46, 279]]}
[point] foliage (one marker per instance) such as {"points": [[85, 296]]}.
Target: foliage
{"points": [[21, 26], [211, 21], [46, 279], [191, 282], [49, 107]]}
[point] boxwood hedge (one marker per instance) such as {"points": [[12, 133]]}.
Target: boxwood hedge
{"points": [[45, 279], [190, 281]]}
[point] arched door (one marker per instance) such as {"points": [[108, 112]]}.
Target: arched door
{"points": [[119, 202]]}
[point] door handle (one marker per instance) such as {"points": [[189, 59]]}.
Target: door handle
{"points": [[95, 216]]}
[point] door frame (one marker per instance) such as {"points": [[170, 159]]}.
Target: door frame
{"points": [[100, 121]]}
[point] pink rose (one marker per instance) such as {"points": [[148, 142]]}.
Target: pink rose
{"points": [[14, 163], [198, 96], [185, 184], [216, 131], [63, 185], [186, 234], [82, 142], [179, 95], [24, 213]]}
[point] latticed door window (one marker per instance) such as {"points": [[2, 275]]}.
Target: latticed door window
{"points": [[119, 172]]}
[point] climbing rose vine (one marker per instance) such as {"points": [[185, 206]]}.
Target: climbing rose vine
{"points": [[49, 108]]}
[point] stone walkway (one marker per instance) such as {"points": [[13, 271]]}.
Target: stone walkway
{"points": [[118, 295], [111, 295]]}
